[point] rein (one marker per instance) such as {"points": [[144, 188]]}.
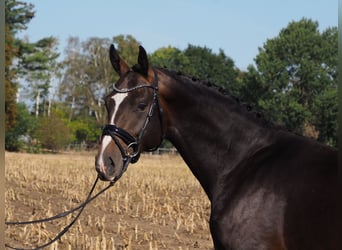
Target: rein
{"points": [[61, 215]]}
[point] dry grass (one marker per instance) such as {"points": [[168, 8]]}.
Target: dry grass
{"points": [[157, 204]]}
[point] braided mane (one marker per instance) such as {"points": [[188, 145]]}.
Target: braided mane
{"points": [[256, 115]]}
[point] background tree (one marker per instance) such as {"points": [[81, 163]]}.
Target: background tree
{"points": [[199, 62], [85, 131], [17, 16], [39, 67], [217, 68], [22, 132], [88, 74], [170, 58], [295, 80], [87, 77], [52, 132]]}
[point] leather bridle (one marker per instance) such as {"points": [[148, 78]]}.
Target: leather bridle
{"points": [[131, 153]]}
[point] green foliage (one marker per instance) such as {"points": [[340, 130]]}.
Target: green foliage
{"points": [[17, 16], [53, 133], [169, 57], [325, 116], [295, 79], [38, 66], [199, 62], [18, 137], [87, 77], [206, 65], [84, 131]]}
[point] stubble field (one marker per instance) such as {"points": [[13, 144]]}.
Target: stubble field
{"points": [[157, 204]]}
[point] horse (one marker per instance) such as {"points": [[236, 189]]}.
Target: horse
{"points": [[269, 189]]}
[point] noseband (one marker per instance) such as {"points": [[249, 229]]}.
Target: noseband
{"points": [[131, 153]]}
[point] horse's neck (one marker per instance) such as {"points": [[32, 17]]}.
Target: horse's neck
{"points": [[209, 131]]}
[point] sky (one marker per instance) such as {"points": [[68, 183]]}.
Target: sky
{"points": [[239, 28]]}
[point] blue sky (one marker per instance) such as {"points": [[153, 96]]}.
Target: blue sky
{"points": [[237, 27]]}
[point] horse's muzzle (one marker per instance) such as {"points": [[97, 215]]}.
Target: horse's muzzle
{"points": [[105, 173]]}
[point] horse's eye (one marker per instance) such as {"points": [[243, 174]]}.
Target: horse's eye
{"points": [[142, 106]]}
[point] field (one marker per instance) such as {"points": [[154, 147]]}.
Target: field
{"points": [[157, 204]]}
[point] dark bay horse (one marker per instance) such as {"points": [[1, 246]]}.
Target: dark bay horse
{"points": [[269, 189]]}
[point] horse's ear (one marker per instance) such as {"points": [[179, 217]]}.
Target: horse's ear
{"points": [[143, 61], [118, 64]]}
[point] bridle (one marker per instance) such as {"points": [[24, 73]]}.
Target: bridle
{"points": [[131, 153]]}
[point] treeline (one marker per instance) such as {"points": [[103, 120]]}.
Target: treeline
{"points": [[293, 81]]}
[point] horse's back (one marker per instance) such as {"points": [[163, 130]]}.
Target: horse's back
{"points": [[312, 217]]}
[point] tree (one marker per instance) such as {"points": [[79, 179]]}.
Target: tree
{"points": [[38, 64], [87, 77], [88, 74], [84, 131], [169, 57], [53, 132], [17, 15], [206, 65], [199, 62], [295, 72], [22, 131]]}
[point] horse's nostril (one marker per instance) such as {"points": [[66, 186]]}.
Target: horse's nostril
{"points": [[101, 176], [111, 161]]}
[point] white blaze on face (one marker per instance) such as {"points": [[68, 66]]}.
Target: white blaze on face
{"points": [[118, 99]]}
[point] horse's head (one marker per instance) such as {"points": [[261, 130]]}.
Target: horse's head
{"points": [[134, 117]]}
